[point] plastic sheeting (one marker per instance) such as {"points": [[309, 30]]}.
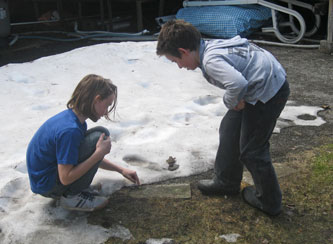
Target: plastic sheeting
{"points": [[226, 21]]}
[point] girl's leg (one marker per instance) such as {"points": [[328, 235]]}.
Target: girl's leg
{"points": [[87, 148]]}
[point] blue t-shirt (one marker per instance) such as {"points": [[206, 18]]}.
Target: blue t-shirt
{"points": [[57, 141]]}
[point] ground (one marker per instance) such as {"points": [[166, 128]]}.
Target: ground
{"points": [[307, 215]]}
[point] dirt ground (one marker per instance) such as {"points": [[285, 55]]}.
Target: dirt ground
{"points": [[203, 219]]}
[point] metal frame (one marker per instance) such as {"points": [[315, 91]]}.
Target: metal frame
{"points": [[316, 25], [274, 8]]}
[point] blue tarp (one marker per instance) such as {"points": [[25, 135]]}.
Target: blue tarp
{"points": [[226, 21]]}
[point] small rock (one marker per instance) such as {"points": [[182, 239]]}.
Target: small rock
{"points": [[173, 167], [160, 241], [230, 237], [265, 241], [172, 163]]}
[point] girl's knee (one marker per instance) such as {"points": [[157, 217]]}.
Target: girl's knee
{"points": [[88, 145], [98, 129]]}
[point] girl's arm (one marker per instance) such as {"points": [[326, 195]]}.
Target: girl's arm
{"points": [[127, 173], [69, 173]]}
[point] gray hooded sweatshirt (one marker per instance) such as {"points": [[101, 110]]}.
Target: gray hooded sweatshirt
{"points": [[243, 69]]}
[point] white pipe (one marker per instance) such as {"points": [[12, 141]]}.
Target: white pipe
{"points": [[11, 43], [34, 22], [116, 34], [285, 44]]}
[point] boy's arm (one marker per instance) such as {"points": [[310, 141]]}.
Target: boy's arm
{"points": [[240, 105], [228, 78]]}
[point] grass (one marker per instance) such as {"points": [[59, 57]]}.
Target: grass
{"points": [[307, 213], [316, 193], [323, 166]]}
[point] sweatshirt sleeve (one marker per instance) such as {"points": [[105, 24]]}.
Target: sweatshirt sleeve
{"points": [[225, 76]]}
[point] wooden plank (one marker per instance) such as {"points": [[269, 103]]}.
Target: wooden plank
{"points": [[330, 22], [326, 46]]}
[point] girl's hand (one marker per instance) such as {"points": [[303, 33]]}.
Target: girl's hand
{"points": [[103, 144], [131, 175]]}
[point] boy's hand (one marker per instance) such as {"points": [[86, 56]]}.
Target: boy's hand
{"points": [[131, 175], [240, 105], [103, 144]]}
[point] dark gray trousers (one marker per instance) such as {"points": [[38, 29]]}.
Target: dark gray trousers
{"points": [[244, 140]]}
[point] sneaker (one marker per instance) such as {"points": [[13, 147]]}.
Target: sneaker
{"points": [[83, 201], [213, 187]]}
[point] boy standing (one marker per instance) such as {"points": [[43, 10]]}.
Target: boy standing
{"points": [[256, 93]]}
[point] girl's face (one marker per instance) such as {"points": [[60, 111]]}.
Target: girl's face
{"points": [[101, 106]]}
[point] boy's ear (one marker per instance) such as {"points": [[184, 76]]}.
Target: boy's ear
{"points": [[183, 51]]}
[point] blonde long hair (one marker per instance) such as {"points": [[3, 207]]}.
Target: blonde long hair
{"points": [[82, 100]]}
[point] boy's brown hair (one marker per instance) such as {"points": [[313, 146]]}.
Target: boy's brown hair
{"points": [[89, 87], [177, 34]]}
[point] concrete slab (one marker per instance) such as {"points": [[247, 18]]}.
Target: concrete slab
{"points": [[280, 169], [162, 191]]}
